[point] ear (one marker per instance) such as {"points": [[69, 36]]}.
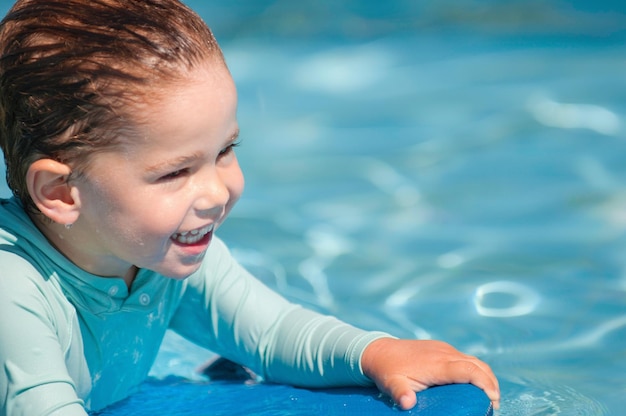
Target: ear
{"points": [[48, 186]]}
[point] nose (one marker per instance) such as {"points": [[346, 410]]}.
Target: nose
{"points": [[213, 193]]}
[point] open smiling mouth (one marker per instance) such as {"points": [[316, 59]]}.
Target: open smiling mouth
{"points": [[193, 236]]}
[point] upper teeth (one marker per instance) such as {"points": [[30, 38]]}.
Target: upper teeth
{"points": [[193, 236]]}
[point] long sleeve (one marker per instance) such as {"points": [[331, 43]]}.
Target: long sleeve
{"points": [[226, 309], [35, 337]]}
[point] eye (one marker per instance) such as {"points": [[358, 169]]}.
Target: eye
{"points": [[173, 175], [228, 149]]}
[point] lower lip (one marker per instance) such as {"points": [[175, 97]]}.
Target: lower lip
{"points": [[196, 248]]}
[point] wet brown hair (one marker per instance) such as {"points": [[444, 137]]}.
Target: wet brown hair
{"points": [[70, 71]]}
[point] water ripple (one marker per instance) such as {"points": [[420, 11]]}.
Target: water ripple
{"points": [[520, 299], [532, 398]]}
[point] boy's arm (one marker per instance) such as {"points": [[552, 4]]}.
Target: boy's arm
{"points": [[313, 350], [401, 367], [230, 312], [33, 375]]}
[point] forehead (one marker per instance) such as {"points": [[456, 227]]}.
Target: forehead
{"points": [[200, 103]]}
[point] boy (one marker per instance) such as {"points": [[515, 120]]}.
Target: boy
{"points": [[118, 125]]}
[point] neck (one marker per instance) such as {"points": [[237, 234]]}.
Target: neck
{"points": [[130, 275]]}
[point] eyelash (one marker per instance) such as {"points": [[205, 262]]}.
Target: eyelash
{"points": [[173, 175], [229, 148]]}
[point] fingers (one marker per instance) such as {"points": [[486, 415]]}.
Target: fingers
{"points": [[468, 369], [402, 394], [402, 389], [476, 372], [463, 368]]}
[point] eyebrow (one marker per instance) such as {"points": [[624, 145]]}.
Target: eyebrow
{"points": [[173, 163], [183, 160]]}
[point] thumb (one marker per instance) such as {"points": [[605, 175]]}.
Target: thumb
{"points": [[401, 392]]}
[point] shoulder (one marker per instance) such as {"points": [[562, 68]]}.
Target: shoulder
{"points": [[18, 271], [23, 288]]}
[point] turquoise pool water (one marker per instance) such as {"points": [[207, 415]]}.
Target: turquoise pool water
{"points": [[449, 170]]}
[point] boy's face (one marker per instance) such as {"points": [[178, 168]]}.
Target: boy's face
{"points": [[155, 202]]}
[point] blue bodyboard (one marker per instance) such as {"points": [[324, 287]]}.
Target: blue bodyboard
{"points": [[180, 397]]}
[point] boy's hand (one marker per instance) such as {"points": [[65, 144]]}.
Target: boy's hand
{"points": [[401, 367]]}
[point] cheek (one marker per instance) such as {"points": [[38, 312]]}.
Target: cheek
{"points": [[237, 185], [116, 209]]}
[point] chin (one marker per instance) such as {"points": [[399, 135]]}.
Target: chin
{"points": [[177, 268]]}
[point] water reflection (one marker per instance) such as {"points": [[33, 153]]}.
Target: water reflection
{"points": [[519, 299]]}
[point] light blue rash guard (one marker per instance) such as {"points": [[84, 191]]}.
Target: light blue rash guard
{"points": [[71, 341]]}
